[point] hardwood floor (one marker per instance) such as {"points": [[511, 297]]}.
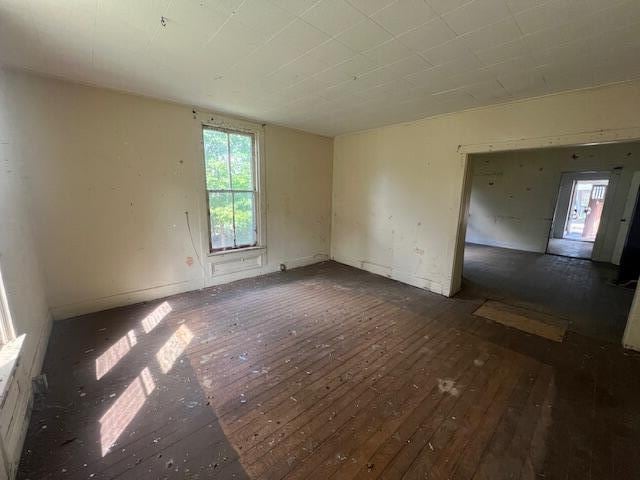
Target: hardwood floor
{"points": [[580, 291], [327, 372]]}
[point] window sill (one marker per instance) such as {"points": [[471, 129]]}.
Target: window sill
{"points": [[258, 250], [9, 360]]}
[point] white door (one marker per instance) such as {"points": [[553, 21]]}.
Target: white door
{"points": [[627, 216]]}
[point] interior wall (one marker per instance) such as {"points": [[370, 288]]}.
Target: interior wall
{"points": [[631, 337], [513, 194], [110, 177], [24, 284], [397, 190]]}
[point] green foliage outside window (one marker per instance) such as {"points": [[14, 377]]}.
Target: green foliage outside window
{"points": [[229, 165]]}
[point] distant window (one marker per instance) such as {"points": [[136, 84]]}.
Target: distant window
{"points": [[230, 165]]}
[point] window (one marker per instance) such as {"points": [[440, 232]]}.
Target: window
{"points": [[230, 166], [6, 325]]}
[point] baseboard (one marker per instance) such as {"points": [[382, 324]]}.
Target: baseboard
{"points": [[75, 309], [395, 274], [304, 261], [70, 310]]}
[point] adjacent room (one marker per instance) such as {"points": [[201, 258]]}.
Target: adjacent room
{"points": [[312, 239], [547, 229]]}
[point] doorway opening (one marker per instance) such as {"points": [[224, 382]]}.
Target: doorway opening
{"points": [[520, 204], [578, 215]]}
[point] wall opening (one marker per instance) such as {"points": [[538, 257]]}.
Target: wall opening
{"points": [[585, 210], [578, 214], [519, 205]]}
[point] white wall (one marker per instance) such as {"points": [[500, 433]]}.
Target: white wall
{"points": [[513, 194], [20, 264], [110, 176], [397, 190], [631, 338]]}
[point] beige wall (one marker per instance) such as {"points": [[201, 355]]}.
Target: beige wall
{"points": [[513, 194], [110, 177], [23, 279], [397, 190]]}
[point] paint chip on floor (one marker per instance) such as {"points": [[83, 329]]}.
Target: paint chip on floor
{"points": [[448, 386]]}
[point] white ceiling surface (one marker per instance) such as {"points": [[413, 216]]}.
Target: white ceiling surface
{"points": [[327, 66]]}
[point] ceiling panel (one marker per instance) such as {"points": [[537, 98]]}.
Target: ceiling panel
{"points": [[502, 52], [295, 7], [476, 14], [332, 16], [364, 36], [495, 34], [388, 52], [446, 6], [431, 34], [330, 66], [404, 15]]}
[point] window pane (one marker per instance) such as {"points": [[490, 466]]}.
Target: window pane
{"points": [[241, 147], [215, 159], [245, 219], [221, 218]]}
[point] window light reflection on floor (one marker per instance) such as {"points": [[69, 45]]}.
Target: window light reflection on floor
{"points": [[128, 404], [125, 408], [110, 358], [173, 348], [154, 318]]}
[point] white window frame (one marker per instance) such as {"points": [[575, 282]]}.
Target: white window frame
{"points": [[240, 126], [7, 332]]}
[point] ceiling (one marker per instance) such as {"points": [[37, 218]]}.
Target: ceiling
{"points": [[327, 66]]}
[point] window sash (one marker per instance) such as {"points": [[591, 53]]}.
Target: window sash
{"points": [[7, 333], [232, 191]]}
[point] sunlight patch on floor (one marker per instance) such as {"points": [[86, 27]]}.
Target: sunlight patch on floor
{"points": [[173, 348], [115, 353], [152, 320], [125, 408]]}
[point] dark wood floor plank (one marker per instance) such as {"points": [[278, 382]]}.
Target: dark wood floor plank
{"points": [[344, 391], [435, 439], [425, 415], [345, 409], [502, 454], [400, 398], [490, 414]]}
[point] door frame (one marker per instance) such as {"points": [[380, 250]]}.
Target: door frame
{"points": [[597, 137], [572, 177], [627, 214]]}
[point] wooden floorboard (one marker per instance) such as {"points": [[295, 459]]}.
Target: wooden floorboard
{"points": [[525, 319], [327, 372]]}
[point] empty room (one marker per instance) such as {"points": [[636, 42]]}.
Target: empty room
{"points": [[313, 239]]}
